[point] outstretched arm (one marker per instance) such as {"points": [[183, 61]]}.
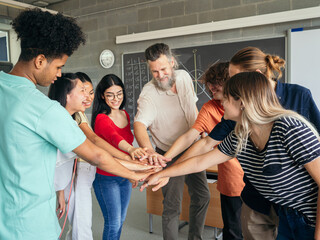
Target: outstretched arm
{"points": [[95, 139], [182, 143], [142, 137], [103, 160], [190, 165]]}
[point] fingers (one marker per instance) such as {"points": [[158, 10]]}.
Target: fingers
{"points": [[143, 186]]}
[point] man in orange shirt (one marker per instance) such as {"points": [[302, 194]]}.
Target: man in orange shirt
{"points": [[230, 177]]}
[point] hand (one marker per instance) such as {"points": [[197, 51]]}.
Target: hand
{"points": [[61, 204], [156, 159], [137, 152], [142, 175], [134, 183], [155, 179], [139, 166]]}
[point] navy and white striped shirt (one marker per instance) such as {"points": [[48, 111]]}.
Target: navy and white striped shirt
{"points": [[277, 171]]}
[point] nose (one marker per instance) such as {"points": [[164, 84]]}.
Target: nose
{"points": [[59, 73], [161, 74]]}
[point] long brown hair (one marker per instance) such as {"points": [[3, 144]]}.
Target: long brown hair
{"points": [[250, 59]]}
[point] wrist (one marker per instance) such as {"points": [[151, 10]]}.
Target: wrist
{"points": [[130, 148]]}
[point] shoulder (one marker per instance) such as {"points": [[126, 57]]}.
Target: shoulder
{"points": [[182, 74], [295, 89], [102, 117], [126, 113], [80, 118], [148, 89], [288, 122]]}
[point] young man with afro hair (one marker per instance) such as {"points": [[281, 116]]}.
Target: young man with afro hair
{"points": [[33, 127]]}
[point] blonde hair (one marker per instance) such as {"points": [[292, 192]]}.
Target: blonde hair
{"points": [[250, 59], [261, 105]]}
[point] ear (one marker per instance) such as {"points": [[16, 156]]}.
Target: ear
{"points": [[172, 62], [40, 61], [258, 70], [102, 96]]}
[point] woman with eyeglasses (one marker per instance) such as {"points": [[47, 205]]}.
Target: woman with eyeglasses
{"points": [[112, 123]]}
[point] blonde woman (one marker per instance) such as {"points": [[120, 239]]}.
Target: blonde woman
{"points": [[277, 149]]}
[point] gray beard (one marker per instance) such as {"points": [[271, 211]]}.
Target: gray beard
{"points": [[167, 86]]}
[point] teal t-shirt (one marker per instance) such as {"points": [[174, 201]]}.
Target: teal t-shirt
{"points": [[32, 127]]}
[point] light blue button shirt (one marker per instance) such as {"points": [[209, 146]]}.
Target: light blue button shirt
{"points": [[32, 127]]}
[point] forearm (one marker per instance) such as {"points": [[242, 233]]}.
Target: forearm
{"points": [[182, 143], [103, 160], [195, 164], [141, 134], [111, 149], [98, 141], [200, 147], [125, 146]]}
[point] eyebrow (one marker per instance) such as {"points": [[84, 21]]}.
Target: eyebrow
{"points": [[116, 92]]}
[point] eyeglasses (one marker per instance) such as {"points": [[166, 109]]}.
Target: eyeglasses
{"points": [[111, 96]]}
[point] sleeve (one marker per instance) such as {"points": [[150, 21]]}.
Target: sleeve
{"points": [[314, 114], [81, 118], [206, 119], [222, 129], [191, 87], [228, 145], [104, 128], [301, 143], [57, 127], [146, 111]]}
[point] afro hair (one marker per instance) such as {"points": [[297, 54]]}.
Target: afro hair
{"points": [[41, 32]]}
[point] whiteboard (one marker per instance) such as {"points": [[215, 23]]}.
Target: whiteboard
{"points": [[304, 60]]}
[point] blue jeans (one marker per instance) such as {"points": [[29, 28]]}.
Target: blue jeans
{"points": [[293, 225], [113, 195]]}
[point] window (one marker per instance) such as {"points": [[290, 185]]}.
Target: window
{"points": [[4, 46]]}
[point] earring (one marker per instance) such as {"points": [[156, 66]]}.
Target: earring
{"points": [[241, 108]]}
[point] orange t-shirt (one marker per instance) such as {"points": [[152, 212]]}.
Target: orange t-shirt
{"points": [[230, 173]]}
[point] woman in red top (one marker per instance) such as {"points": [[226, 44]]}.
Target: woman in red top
{"points": [[112, 124]]}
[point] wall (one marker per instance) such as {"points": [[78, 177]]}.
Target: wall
{"points": [[103, 20]]}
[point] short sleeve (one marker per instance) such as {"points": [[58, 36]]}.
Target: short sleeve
{"points": [[146, 111], [228, 145], [300, 142], [81, 118], [207, 118], [57, 127], [222, 129]]}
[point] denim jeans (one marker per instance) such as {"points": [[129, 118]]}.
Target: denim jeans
{"points": [[293, 225], [113, 195]]}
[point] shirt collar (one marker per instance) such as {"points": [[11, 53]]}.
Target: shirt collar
{"points": [[16, 79], [280, 90]]}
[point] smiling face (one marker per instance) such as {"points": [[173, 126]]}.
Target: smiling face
{"points": [[162, 72], [113, 97], [216, 90], [90, 94], [76, 98], [232, 108]]}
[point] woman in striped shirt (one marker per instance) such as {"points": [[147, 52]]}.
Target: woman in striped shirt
{"points": [[277, 149]]}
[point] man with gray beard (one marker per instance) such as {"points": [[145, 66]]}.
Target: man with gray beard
{"points": [[167, 107]]}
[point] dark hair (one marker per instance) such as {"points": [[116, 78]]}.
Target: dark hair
{"points": [[83, 77], [217, 73], [62, 87], [250, 59], [41, 32], [153, 52], [99, 104]]}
